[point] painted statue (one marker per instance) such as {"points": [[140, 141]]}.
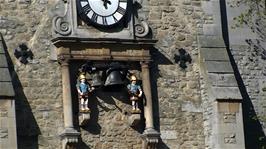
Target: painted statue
{"points": [[83, 89], [135, 93]]}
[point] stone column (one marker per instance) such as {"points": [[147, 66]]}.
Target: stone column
{"points": [[150, 135], [148, 113], [67, 98], [69, 135]]}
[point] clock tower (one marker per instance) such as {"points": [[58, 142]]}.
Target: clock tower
{"points": [[105, 33]]}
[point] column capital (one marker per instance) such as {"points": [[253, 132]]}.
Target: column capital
{"points": [[144, 63], [63, 60]]}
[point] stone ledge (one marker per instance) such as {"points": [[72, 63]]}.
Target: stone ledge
{"points": [[211, 42], [222, 80], [212, 54], [226, 93], [219, 67]]}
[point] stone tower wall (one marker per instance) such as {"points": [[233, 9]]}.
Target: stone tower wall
{"points": [[177, 107]]}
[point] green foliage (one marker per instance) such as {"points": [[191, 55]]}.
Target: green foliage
{"points": [[255, 11]]}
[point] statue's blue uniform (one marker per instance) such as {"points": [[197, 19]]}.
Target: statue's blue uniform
{"points": [[84, 88], [133, 88]]}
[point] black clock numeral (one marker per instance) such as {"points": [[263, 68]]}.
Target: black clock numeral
{"points": [[94, 17], [87, 8], [115, 19], [121, 10], [104, 21], [122, 0]]}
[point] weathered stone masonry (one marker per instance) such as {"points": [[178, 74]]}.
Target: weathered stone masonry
{"points": [[183, 111]]}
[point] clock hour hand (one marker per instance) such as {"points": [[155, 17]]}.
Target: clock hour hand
{"points": [[105, 2]]}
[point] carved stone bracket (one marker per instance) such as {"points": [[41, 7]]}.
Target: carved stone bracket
{"points": [[61, 26], [134, 119], [141, 28], [60, 22], [150, 138], [69, 138], [84, 119]]}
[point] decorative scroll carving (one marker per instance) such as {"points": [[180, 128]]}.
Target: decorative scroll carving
{"points": [[141, 28], [60, 24]]}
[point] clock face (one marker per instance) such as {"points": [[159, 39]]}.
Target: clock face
{"points": [[102, 12]]}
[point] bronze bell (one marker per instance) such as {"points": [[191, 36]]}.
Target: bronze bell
{"points": [[114, 77], [96, 80]]}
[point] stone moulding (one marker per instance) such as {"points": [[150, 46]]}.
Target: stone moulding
{"points": [[150, 139], [69, 138]]}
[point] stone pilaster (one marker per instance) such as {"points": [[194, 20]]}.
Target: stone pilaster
{"points": [[69, 136], [150, 135]]}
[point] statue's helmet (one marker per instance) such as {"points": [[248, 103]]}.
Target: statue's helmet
{"points": [[133, 78], [82, 76]]}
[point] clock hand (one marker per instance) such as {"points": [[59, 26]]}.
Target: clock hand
{"points": [[105, 2]]}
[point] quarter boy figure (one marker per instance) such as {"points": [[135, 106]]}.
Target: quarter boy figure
{"points": [[83, 89], [135, 93]]}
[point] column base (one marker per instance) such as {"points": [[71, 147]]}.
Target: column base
{"points": [[150, 138], [69, 138]]}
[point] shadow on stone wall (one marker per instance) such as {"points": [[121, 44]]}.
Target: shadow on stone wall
{"points": [[254, 135], [27, 127], [158, 59]]}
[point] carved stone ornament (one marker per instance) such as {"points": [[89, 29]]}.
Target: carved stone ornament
{"points": [[60, 24], [151, 138], [69, 138], [141, 28]]}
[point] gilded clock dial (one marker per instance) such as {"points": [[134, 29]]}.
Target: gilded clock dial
{"points": [[103, 12]]}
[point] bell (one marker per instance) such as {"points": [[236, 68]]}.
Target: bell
{"points": [[114, 77], [96, 80]]}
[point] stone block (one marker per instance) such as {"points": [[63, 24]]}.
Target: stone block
{"points": [[191, 107], [1, 48], [6, 89], [211, 42], [84, 118], [219, 67], [168, 134], [212, 54], [134, 119], [222, 80], [4, 75], [226, 93], [3, 62], [228, 109]]}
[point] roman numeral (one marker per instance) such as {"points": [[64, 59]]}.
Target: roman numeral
{"points": [[115, 19], [121, 10], [87, 8], [94, 17], [122, 0], [104, 21]]}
